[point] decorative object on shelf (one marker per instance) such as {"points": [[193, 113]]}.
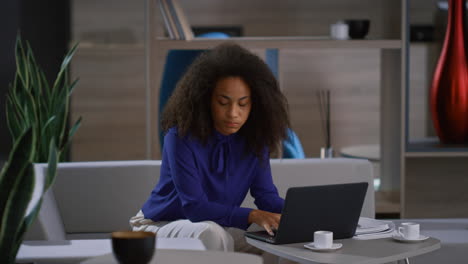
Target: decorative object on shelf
{"points": [[323, 98], [422, 33], [37, 118], [339, 30], [326, 152], [449, 91], [358, 28]]}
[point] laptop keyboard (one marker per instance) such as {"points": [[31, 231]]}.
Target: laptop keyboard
{"points": [[274, 233]]}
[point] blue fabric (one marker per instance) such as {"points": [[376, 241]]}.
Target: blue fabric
{"points": [[177, 63], [272, 59], [209, 182], [292, 148], [216, 35]]}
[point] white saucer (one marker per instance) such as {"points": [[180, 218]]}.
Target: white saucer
{"points": [[334, 247], [402, 239]]}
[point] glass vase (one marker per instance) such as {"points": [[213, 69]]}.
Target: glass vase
{"points": [[449, 91]]}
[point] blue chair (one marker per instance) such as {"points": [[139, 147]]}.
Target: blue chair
{"points": [[292, 147], [177, 62]]}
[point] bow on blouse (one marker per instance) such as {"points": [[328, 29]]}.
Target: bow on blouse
{"points": [[220, 153]]}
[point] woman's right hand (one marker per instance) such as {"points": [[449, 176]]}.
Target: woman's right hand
{"points": [[269, 221]]}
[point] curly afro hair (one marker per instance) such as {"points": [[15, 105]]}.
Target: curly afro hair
{"points": [[189, 107]]}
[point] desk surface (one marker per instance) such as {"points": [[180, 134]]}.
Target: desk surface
{"points": [[172, 256], [77, 250], [353, 251]]}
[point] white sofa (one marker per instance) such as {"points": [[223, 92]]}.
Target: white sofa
{"points": [[91, 199]]}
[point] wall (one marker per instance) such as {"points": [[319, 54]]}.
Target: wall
{"points": [[9, 22], [46, 27], [110, 95]]}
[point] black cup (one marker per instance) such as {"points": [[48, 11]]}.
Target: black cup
{"points": [[133, 247], [357, 28]]}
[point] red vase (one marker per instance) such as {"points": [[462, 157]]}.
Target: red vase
{"points": [[449, 91]]}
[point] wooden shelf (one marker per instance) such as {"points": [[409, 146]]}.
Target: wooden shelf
{"points": [[431, 147], [435, 154], [109, 46], [282, 42]]}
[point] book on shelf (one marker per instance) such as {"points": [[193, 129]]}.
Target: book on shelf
{"points": [[182, 19], [175, 20], [168, 20]]}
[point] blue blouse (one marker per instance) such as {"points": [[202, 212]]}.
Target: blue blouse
{"points": [[209, 182]]}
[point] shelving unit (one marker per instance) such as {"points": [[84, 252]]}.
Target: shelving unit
{"points": [[436, 154], [114, 95], [434, 176], [393, 49]]}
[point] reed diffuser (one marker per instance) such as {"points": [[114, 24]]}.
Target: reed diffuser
{"points": [[323, 98]]}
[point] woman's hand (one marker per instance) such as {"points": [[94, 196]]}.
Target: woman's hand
{"points": [[267, 220]]}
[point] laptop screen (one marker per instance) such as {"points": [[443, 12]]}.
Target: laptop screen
{"points": [[333, 208]]}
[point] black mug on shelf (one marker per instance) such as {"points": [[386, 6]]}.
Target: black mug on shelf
{"points": [[358, 28]]}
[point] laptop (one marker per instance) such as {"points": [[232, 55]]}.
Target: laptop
{"points": [[333, 208]]}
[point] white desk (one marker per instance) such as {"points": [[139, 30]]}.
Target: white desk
{"points": [[73, 251], [353, 251]]}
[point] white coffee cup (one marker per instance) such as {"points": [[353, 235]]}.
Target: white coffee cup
{"points": [[323, 239], [409, 230], [339, 30]]}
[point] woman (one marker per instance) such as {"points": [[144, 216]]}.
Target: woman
{"points": [[225, 115]]}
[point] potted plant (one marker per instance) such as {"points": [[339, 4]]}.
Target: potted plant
{"points": [[37, 118]]}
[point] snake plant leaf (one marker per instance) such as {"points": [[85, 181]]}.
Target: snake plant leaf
{"points": [[46, 134], [16, 186], [13, 121], [25, 224], [16, 103], [72, 133], [63, 133], [15, 209], [52, 166], [75, 128], [21, 152], [38, 81], [46, 125], [69, 56], [20, 61], [64, 69], [30, 104], [72, 86], [29, 219]]}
